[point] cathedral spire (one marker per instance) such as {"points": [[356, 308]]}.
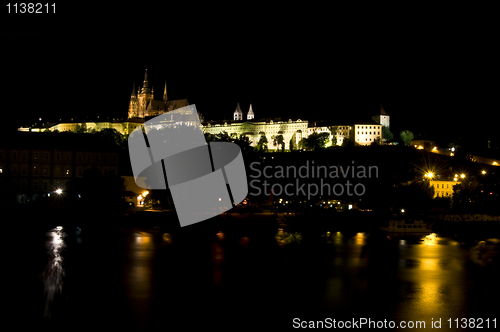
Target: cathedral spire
{"points": [[133, 90], [165, 93], [145, 84]]}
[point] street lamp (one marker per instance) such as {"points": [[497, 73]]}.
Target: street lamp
{"points": [[59, 191]]}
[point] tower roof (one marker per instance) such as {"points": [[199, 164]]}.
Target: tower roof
{"points": [[238, 109], [145, 84], [133, 89], [382, 111], [251, 110]]}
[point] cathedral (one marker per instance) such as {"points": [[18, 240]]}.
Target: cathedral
{"points": [[142, 102]]}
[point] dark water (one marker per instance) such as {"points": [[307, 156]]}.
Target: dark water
{"points": [[81, 278]]}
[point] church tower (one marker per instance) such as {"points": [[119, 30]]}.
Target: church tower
{"points": [[142, 103], [165, 97], [250, 114], [382, 118], [238, 114], [134, 104], [145, 97]]}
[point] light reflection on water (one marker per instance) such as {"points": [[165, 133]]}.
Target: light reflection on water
{"points": [[54, 271], [404, 277]]}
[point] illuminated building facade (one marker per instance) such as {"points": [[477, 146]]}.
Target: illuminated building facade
{"points": [[291, 130], [362, 133], [442, 188]]}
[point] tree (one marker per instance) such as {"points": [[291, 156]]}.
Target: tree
{"points": [[242, 141], [291, 145], [111, 135], [279, 140], [315, 141], [387, 134], [376, 141], [262, 144], [80, 129], [406, 136], [333, 132]]}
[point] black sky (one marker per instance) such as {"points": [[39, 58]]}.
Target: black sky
{"points": [[435, 83]]}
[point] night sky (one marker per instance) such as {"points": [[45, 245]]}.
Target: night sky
{"points": [[436, 83]]}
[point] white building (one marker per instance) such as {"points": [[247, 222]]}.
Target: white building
{"points": [[294, 130]]}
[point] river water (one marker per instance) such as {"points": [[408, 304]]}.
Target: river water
{"points": [[133, 278]]}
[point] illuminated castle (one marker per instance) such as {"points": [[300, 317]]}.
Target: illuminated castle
{"points": [[142, 102]]}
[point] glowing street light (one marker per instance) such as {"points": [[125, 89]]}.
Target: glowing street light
{"points": [[429, 175], [483, 172], [462, 176], [59, 191]]}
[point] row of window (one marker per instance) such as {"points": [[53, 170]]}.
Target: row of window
{"points": [[443, 194], [370, 127], [369, 133], [442, 185], [67, 156]]}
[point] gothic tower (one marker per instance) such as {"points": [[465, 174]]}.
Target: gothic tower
{"points": [[145, 97], [142, 102], [133, 106]]}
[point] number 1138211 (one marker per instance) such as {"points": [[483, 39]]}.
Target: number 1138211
{"points": [[31, 8]]}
